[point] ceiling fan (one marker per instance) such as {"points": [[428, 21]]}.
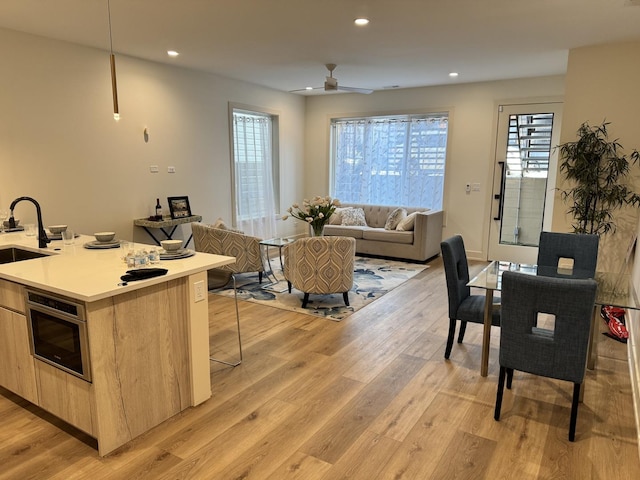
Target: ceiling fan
{"points": [[331, 84]]}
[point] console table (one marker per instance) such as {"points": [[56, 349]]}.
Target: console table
{"points": [[164, 224]]}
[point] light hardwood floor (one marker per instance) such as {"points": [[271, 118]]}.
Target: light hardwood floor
{"points": [[370, 397]]}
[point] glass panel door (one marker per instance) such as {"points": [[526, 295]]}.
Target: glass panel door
{"points": [[524, 179]]}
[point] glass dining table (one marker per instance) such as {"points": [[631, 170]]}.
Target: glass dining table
{"points": [[614, 289]]}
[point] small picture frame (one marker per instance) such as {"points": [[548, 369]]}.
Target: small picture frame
{"points": [[179, 207]]}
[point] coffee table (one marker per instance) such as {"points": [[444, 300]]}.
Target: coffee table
{"points": [[277, 243]]}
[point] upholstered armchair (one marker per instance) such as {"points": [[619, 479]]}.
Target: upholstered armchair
{"points": [[320, 265], [245, 248]]}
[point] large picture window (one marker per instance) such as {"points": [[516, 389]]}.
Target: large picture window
{"points": [[254, 172], [390, 160]]}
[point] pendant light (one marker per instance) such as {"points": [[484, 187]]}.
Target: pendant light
{"points": [[112, 59]]}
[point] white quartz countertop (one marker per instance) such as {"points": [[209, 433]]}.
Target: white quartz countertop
{"points": [[90, 275]]}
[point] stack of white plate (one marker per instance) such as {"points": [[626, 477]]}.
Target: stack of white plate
{"points": [[176, 254], [102, 245]]}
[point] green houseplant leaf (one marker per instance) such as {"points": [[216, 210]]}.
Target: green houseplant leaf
{"points": [[597, 172]]}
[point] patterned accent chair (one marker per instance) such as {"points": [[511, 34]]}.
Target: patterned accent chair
{"points": [[244, 248], [320, 265]]}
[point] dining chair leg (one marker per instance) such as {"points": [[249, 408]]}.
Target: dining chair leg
{"points": [[499, 393], [463, 328], [345, 295], [305, 300], [509, 378], [235, 295], [452, 333], [574, 411]]}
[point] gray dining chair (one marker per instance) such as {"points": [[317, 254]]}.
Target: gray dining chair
{"points": [[560, 353], [582, 248], [462, 305]]}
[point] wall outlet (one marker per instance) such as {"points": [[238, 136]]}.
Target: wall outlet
{"points": [[154, 168], [199, 291], [171, 169]]}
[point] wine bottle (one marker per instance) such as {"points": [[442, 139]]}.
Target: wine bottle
{"points": [[158, 210]]}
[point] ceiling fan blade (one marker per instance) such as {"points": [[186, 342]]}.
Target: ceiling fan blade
{"points": [[306, 89], [354, 89]]}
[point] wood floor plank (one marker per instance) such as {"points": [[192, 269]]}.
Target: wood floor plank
{"points": [[340, 432], [364, 459], [300, 467], [270, 452], [466, 457]]}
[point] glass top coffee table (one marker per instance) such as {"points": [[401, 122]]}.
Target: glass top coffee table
{"points": [[266, 259]]}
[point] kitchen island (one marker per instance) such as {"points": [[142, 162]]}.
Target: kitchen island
{"points": [[147, 341]]}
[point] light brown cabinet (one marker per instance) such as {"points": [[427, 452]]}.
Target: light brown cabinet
{"points": [[149, 361], [17, 371]]}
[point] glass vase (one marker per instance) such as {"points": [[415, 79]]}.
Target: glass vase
{"points": [[317, 230]]}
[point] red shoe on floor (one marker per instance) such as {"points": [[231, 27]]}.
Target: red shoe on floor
{"points": [[614, 317], [608, 310]]}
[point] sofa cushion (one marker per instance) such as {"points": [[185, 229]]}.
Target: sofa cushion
{"points": [[392, 236], [394, 218], [344, 230], [407, 223], [223, 226], [336, 217], [354, 217]]}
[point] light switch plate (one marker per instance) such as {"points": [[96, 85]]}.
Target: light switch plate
{"points": [[171, 169], [154, 168]]}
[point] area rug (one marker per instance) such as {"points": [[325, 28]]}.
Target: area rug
{"points": [[373, 277]]}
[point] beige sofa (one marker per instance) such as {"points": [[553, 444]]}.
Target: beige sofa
{"points": [[421, 243]]}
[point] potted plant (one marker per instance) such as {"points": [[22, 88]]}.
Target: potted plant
{"points": [[598, 174], [598, 171]]}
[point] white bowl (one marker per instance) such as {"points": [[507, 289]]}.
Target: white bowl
{"points": [[104, 236], [171, 245], [57, 229]]}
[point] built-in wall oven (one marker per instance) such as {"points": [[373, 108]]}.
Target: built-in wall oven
{"points": [[58, 331]]}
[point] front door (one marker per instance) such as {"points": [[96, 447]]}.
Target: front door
{"points": [[524, 179]]}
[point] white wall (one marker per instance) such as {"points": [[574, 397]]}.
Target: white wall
{"points": [[602, 84], [473, 118], [60, 144]]}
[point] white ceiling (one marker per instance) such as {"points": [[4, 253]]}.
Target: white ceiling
{"points": [[284, 44]]}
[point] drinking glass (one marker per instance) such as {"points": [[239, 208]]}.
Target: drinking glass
{"points": [[3, 216], [30, 230], [68, 237]]}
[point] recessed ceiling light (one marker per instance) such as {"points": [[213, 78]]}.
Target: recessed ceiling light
{"points": [[308, 88], [453, 74], [361, 21], [172, 53]]}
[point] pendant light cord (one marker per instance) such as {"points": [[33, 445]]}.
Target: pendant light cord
{"points": [[110, 36]]}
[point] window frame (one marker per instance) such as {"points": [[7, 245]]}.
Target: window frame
{"points": [[275, 151], [408, 114]]}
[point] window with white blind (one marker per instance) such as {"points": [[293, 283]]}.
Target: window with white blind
{"points": [[255, 170], [390, 160]]}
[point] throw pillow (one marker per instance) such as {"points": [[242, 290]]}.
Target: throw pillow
{"points": [[220, 224], [223, 226], [407, 223], [336, 217], [354, 217], [394, 218]]}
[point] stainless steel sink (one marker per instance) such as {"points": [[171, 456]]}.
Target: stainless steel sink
{"points": [[13, 254]]}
